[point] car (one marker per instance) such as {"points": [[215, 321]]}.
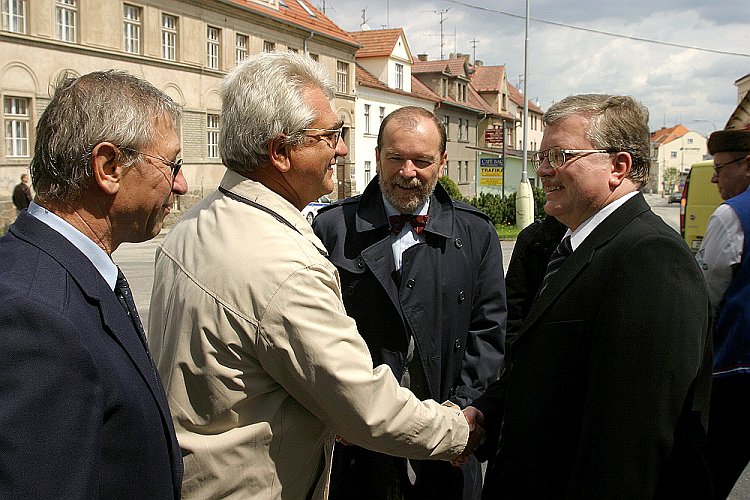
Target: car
{"points": [[311, 210], [675, 197]]}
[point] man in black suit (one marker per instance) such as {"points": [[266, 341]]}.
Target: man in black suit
{"points": [[607, 380], [82, 411]]}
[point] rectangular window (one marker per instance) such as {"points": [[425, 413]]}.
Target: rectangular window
{"points": [[367, 118], [446, 123], [16, 118], [131, 28], [314, 57], [446, 168], [342, 77], [400, 76], [212, 135], [466, 171], [66, 20], [466, 129], [293, 50], [381, 116], [460, 132], [673, 154], [444, 87], [213, 49], [168, 37], [14, 15], [690, 140], [367, 172], [240, 48], [269, 46]]}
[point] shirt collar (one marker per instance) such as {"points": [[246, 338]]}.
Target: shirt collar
{"points": [[587, 227], [83, 243]]}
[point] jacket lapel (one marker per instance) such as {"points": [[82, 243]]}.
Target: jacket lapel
{"points": [[95, 288], [583, 255]]}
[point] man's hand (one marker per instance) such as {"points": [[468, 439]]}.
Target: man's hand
{"points": [[475, 419]]}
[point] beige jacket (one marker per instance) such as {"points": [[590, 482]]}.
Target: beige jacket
{"points": [[262, 365]]}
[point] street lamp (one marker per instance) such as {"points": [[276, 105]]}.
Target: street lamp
{"points": [[524, 195]]}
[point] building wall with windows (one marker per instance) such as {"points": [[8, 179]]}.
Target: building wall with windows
{"points": [[183, 48]]}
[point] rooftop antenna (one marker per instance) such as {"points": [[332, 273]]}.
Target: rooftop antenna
{"points": [[364, 26], [323, 6], [474, 43], [441, 12]]}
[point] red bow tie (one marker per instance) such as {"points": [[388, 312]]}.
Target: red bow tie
{"points": [[418, 222]]}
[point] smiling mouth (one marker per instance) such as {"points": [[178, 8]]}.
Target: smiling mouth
{"points": [[550, 189]]}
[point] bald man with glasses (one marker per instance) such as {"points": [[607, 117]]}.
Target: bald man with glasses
{"points": [[607, 379]]}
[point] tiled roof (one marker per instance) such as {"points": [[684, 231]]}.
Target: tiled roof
{"points": [[476, 101], [430, 66], [376, 43], [517, 97], [488, 78], [422, 90], [669, 134], [291, 12], [367, 79]]}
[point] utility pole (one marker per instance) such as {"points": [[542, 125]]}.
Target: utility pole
{"points": [[524, 196]]}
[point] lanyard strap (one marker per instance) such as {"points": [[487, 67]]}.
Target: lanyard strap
{"points": [[244, 200]]}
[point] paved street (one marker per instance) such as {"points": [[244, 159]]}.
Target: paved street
{"points": [[137, 262]]}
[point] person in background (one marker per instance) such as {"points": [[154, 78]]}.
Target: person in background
{"points": [[82, 410], [262, 365], [607, 380], [423, 279], [22, 193], [724, 258]]}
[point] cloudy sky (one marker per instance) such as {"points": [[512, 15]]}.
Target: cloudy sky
{"points": [[678, 84]]}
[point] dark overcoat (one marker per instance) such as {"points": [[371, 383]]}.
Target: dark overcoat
{"points": [[450, 296]]}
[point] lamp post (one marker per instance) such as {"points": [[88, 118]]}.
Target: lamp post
{"points": [[524, 195]]}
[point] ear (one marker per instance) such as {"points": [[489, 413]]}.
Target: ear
{"points": [[443, 160], [106, 166], [377, 160], [278, 153], [621, 166]]}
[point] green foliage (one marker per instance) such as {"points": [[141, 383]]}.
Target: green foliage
{"points": [[540, 198], [502, 211], [451, 188]]}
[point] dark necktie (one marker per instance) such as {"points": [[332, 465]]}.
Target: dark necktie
{"points": [[562, 252], [125, 295], [418, 222]]}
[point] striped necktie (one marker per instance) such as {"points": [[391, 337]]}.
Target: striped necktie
{"points": [[562, 252]]}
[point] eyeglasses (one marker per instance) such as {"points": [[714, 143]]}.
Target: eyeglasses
{"points": [[557, 157], [722, 165], [175, 166], [331, 136]]}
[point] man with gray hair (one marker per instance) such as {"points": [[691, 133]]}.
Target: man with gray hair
{"points": [[608, 378], [260, 361], [82, 410]]}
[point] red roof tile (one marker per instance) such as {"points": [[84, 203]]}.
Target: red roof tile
{"points": [[665, 135], [517, 97], [293, 13], [488, 78], [376, 43], [367, 79]]}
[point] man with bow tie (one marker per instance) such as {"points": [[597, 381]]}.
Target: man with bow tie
{"points": [[422, 276]]}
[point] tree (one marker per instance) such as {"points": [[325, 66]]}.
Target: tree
{"points": [[451, 187]]}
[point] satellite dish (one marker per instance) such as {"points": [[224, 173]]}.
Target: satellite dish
{"points": [[364, 27]]}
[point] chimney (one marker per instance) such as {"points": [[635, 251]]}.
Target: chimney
{"points": [[422, 57], [478, 62]]}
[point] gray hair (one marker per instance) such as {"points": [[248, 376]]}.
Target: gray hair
{"points": [[102, 106], [616, 123], [262, 98]]}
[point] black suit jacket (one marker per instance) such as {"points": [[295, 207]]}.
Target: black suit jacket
{"points": [[608, 379], [82, 414]]}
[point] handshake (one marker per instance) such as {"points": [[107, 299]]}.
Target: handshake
{"points": [[475, 419]]}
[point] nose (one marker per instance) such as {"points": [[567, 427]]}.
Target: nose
{"points": [[179, 184], [545, 169], [715, 177], [341, 148], [409, 170]]}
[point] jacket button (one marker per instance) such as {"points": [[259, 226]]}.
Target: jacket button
{"points": [[361, 263], [458, 243], [457, 345], [461, 296], [350, 290], [410, 284]]}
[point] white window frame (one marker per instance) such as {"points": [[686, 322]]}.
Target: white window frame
{"points": [[169, 37], [14, 15], [368, 171], [269, 46], [399, 76], [460, 133], [241, 43], [381, 115], [212, 135], [66, 20], [132, 18], [16, 124], [342, 77], [213, 47], [367, 119]]}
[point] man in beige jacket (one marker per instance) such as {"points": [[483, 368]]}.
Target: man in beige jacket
{"points": [[262, 366]]}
